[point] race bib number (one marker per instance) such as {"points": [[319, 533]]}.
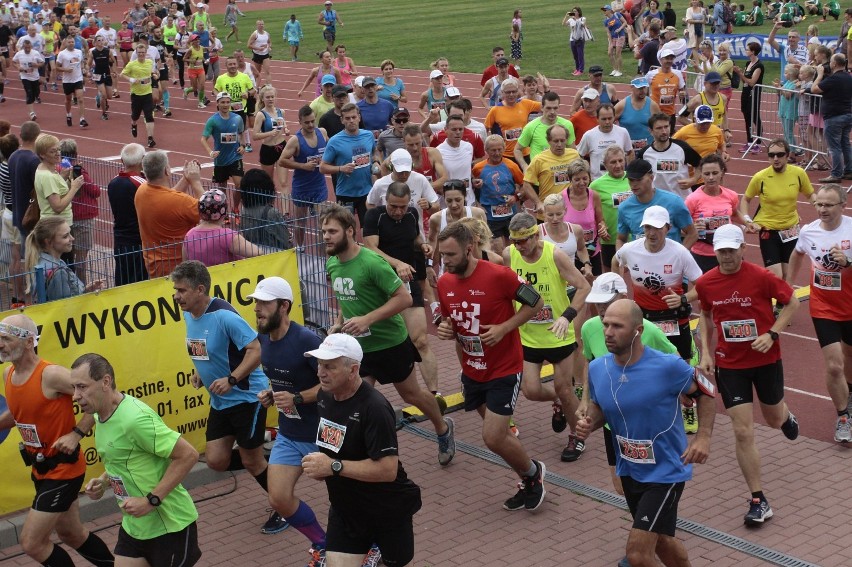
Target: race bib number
{"points": [[367, 332], [498, 211], [227, 138], [827, 280], [639, 144], [144, 81], [278, 123], [669, 328], [96, 77], [513, 134], [618, 198], [789, 234], [545, 315], [636, 450], [712, 223], [290, 413], [667, 100], [236, 106], [330, 435], [314, 160], [118, 488], [361, 160], [589, 238], [439, 104], [471, 345], [739, 331], [29, 434], [561, 178], [197, 349]]}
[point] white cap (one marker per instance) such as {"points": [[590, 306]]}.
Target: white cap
{"points": [[665, 52], [656, 216], [272, 288], [606, 287], [337, 345], [358, 80], [401, 160], [222, 94], [452, 91], [591, 94], [200, 5], [727, 236], [88, 11], [435, 74]]}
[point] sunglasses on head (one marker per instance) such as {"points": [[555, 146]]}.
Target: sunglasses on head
{"points": [[455, 184]]}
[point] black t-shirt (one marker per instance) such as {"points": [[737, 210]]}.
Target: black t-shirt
{"points": [[748, 73], [359, 428], [669, 18], [649, 56], [333, 124], [836, 94], [5, 35], [101, 59], [396, 238], [22, 170], [122, 194]]}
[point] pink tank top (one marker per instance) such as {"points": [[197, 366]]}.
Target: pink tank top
{"points": [[210, 246], [345, 78], [586, 219]]}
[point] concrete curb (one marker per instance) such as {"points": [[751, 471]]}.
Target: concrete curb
{"points": [[10, 527]]}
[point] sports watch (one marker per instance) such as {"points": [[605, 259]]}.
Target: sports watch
{"points": [[232, 380], [336, 467], [153, 499]]}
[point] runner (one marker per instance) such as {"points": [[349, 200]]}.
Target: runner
{"points": [[497, 182], [240, 86], [28, 61], [270, 128], [260, 43], [139, 74], [101, 62], [613, 188], [224, 128], [69, 62]]}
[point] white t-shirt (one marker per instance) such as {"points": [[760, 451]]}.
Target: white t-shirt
{"points": [[110, 35], [36, 41], [657, 274], [417, 183], [669, 166], [71, 60], [595, 143], [28, 64], [458, 162]]}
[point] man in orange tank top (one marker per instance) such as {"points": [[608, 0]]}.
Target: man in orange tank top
{"points": [[39, 397]]}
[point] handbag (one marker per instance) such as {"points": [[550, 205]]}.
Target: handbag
{"points": [[587, 34], [32, 214]]}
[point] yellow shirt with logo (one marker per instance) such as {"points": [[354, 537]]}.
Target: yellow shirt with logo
{"points": [[548, 171], [778, 193]]}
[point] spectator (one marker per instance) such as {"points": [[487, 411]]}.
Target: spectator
{"points": [[11, 235], [694, 21], [54, 191], [616, 27], [22, 169], [84, 209], [836, 91], [127, 243], [575, 20], [669, 16], [211, 243], [261, 223], [752, 75]]}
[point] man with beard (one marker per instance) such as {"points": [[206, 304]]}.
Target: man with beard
{"points": [[371, 297], [669, 158], [294, 386]]}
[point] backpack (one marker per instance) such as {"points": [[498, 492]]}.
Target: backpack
{"points": [[728, 14]]}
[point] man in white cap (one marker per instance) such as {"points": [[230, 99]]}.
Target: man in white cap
{"points": [[586, 117], [736, 301], [329, 18], [372, 499], [423, 196], [293, 390], [667, 85]]}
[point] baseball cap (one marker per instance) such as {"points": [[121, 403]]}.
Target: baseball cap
{"points": [[399, 111], [368, 82], [436, 74], [327, 2], [401, 160], [607, 7], [595, 70], [358, 81], [656, 216], [502, 61], [193, 37], [639, 82], [703, 114], [272, 288], [451, 92], [222, 94], [200, 5], [591, 94], [606, 287], [665, 53], [728, 236], [328, 80], [88, 11], [337, 345], [638, 168], [182, 23], [339, 90], [713, 77], [213, 205]]}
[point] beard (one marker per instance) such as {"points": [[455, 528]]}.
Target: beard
{"points": [[272, 323], [336, 248], [459, 268]]}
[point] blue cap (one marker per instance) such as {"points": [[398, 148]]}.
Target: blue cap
{"points": [[639, 82], [703, 114], [713, 77], [328, 80]]}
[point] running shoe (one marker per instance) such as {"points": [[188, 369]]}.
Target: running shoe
{"points": [[275, 524], [167, 114], [54, 87], [74, 100], [755, 149], [758, 512], [38, 100], [447, 444], [33, 116], [558, 422], [744, 148], [69, 121], [116, 95], [201, 105], [133, 130], [186, 93], [612, 73], [104, 116], [843, 430], [373, 557], [442, 403], [317, 556], [617, 73], [248, 148], [2, 98], [151, 142], [530, 493], [624, 562], [573, 449], [83, 123], [690, 420], [514, 428], [790, 427]]}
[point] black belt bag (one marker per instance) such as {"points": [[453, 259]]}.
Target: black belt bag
{"points": [[47, 464]]}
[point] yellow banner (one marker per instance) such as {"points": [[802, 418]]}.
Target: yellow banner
{"points": [[139, 328]]}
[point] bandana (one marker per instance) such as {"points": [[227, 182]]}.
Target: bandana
{"points": [[18, 332]]}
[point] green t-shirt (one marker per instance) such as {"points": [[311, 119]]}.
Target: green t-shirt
{"points": [[235, 86], [135, 445], [612, 192], [534, 135], [361, 285], [169, 34], [740, 19], [141, 71], [594, 343]]}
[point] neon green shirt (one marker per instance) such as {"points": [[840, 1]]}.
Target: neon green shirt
{"points": [[534, 135], [594, 344], [612, 191], [141, 71], [169, 33]]}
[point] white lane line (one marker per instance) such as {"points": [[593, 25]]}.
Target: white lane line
{"points": [[203, 166], [804, 393], [798, 336]]}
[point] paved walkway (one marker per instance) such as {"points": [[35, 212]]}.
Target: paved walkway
{"points": [[462, 521]]}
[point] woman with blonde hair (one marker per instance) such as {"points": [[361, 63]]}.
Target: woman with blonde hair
{"points": [[442, 64], [55, 191], [482, 244], [566, 236], [270, 128]]}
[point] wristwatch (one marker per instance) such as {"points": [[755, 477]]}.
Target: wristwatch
{"points": [[773, 335], [336, 467], [153, 499], [683, 300], [232, 380], [298, 398]]}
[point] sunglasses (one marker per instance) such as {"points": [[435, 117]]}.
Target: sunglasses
{"points": [[776, 154], [401, 120], [455, 185]]}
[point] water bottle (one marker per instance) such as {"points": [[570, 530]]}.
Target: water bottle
{"points": [[702, 232], [39, 458]]}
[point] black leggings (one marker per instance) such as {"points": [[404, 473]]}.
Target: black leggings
{"points": [[745, 107], [180, 64]]}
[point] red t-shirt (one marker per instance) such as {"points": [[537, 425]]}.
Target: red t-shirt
{"points": [[492, 72], [468, 136], [484, 298], [742, 310]]}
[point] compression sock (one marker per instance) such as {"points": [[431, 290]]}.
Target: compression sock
{"points": [[201, 96], [759, 495], [305, 521], [96, 552], [532, 471], [236, 461], [166, 98], [261, 480], [58, 558]]}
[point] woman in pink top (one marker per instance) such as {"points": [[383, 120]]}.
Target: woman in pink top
{"points": [[711, 206], [344, 65], [326, 67], [583, 207], [211, 243]]}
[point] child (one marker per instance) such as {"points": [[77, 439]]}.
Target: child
{"points": [[806, 79], [515, 37], [788, 103], [813, 40]]}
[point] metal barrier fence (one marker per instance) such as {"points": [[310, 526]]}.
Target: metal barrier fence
{"points": [[275, 225]]}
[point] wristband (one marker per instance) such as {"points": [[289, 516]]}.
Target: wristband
{"points": [[78, 431], [430, 262], [747, 219], [569, 314]]}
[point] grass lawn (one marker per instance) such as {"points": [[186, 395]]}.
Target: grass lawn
{"points": [[414, 33]]}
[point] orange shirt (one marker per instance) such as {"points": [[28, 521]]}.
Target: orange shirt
{"points": [[510, 121], [665, 88], [41, 421], [582, 123], [72, 9], [165, 216]]}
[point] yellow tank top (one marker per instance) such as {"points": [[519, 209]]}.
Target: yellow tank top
{"points": [[718, 109], [544, 276]]}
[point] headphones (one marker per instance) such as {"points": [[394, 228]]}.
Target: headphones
{"points": [[636, 334]]}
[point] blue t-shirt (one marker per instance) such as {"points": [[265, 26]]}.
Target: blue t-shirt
{"points": [[216, 343], [630, 214], [289, 370], [497, 183], [376, 116], [344, 148], [644, 408], [388, 90], [612, 24], [226, 137]]}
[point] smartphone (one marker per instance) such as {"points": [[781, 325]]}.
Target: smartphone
{"points": [[77, 171]]}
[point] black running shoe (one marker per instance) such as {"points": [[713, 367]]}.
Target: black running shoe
{"points": [[83, 123], [68, 121], [151, 142], [133, 130], [790, 427], [275, 524]]}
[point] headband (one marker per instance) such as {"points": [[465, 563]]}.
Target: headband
{"points": [[18, 332], [524, 233]]}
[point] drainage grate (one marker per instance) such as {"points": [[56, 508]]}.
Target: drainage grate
{"points": [[694, 528]]}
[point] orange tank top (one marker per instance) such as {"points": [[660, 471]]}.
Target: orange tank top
{"points": [[41, 421]]}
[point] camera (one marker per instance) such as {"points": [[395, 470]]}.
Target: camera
{"points": [[77, 171]]}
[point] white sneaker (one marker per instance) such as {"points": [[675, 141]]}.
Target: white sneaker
{"points": [[616, 73], [843, 430], [612, 73]]}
